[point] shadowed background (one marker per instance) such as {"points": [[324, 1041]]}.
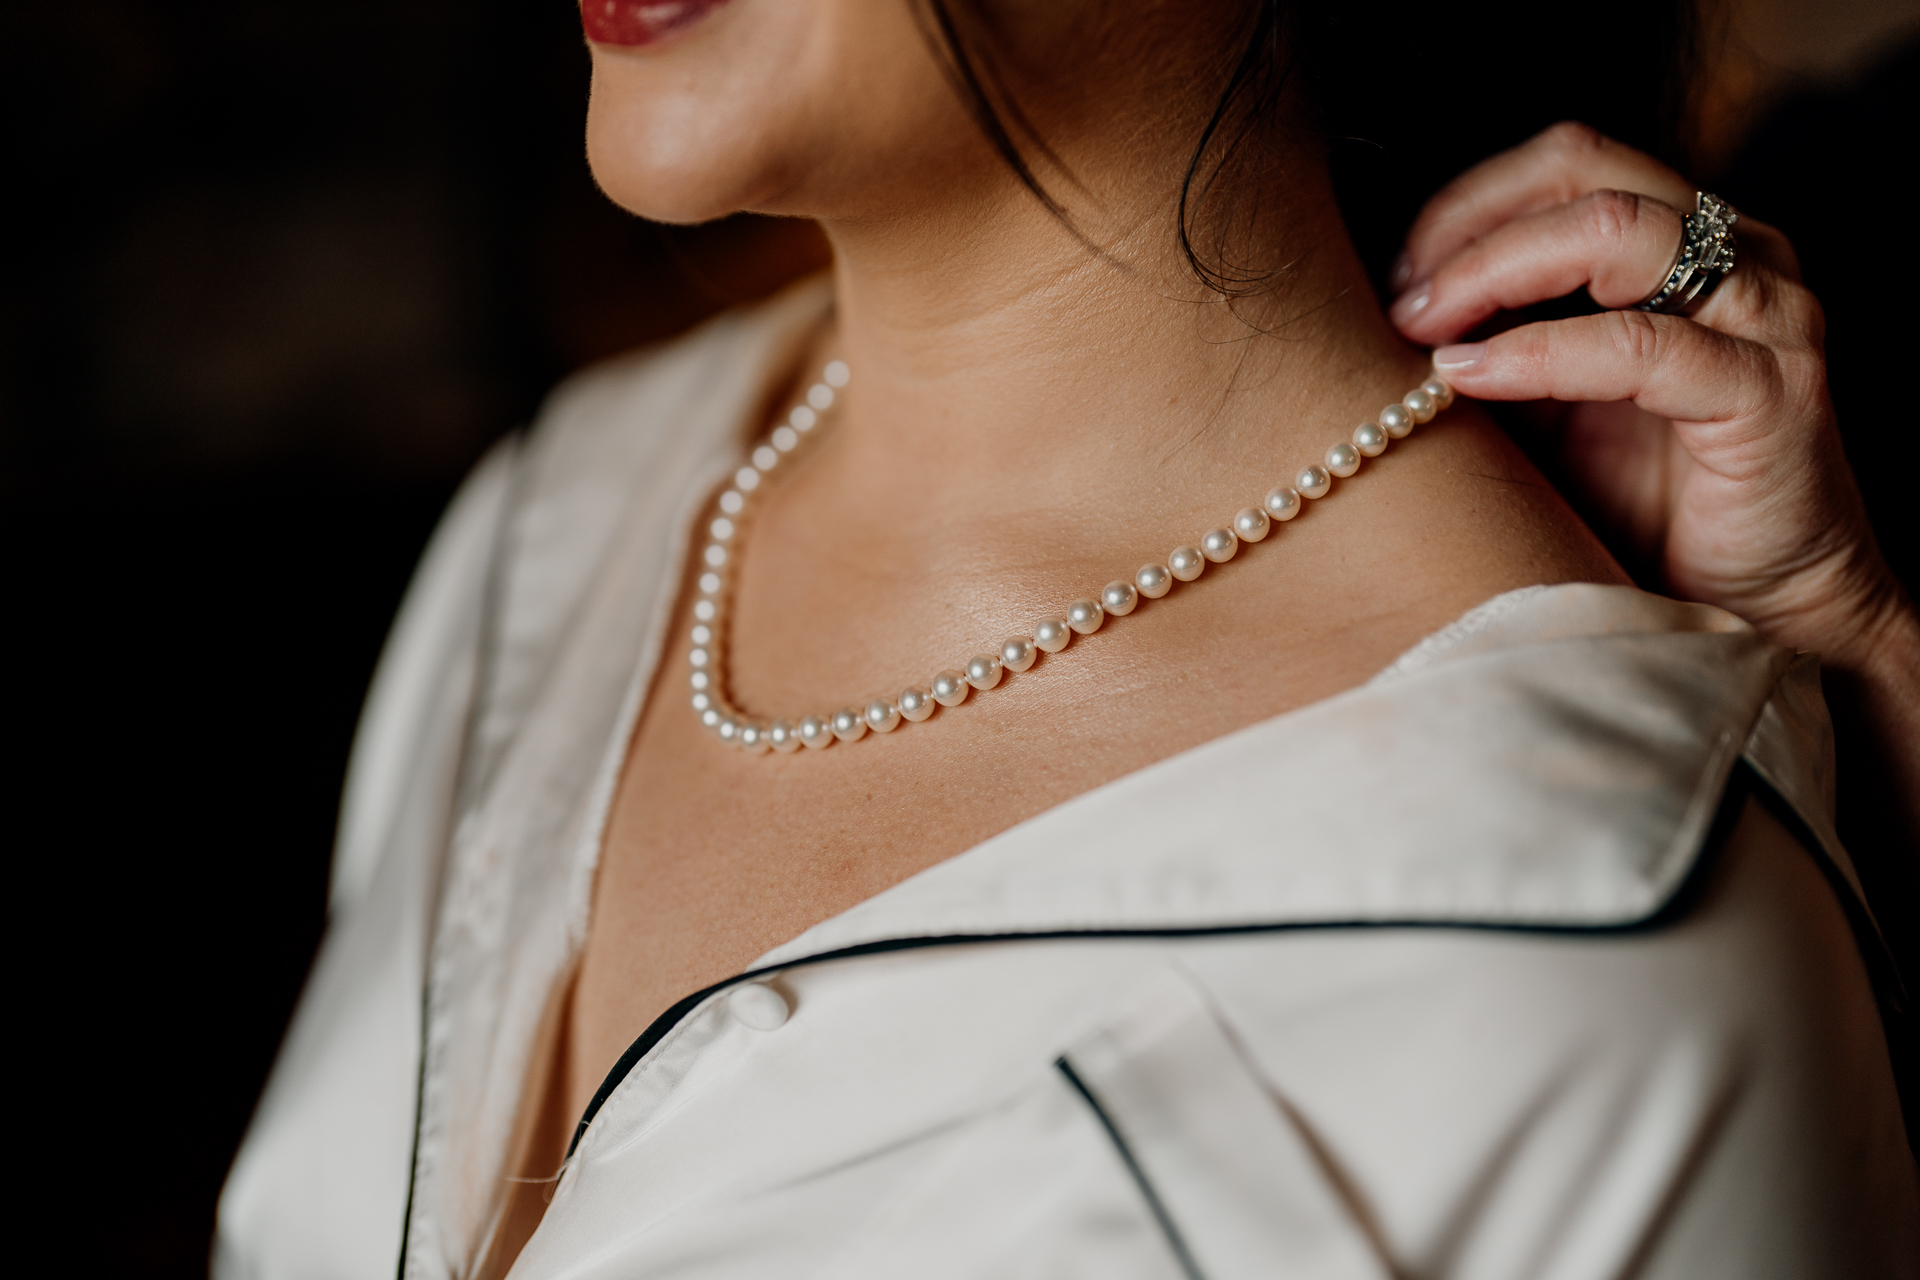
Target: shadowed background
{"points": [[277, 273]]}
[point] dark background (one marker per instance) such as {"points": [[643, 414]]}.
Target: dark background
{"points": [[277, 273]]}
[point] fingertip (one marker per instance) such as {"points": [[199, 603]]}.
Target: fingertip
{"points": [[1460, 357]]}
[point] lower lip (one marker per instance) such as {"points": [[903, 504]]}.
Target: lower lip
{"points": [[638, 22]]}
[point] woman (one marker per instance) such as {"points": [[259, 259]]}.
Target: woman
{"points": [[1406, 895]]}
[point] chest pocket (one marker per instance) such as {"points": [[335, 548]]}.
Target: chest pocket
{"points": [[1149, 1152]]}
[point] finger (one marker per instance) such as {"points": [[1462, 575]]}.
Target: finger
{"points": [[1618, 245], [1669, 366], [1561, 164]]}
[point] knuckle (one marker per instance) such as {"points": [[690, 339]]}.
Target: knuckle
{"points": [[1611, 216], [1636, 335], [1571, 137]]}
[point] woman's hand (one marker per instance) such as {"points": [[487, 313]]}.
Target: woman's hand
{"points": [[1706, 443]]}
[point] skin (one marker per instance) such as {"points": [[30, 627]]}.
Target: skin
{"points": [[1029, 419]]}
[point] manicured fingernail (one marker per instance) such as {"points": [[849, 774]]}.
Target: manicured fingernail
{"points": [[1461, 355], [1412, 304], [1402, 272]]}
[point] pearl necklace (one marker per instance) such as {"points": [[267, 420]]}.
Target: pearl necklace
{"points": [[1018, 653]]}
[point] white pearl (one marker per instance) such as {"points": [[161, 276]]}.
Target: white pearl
{"points": [[785, 439], [848, 725], [815, 732], [701, 702], [1396, 421], [1343, 460], [916, 702], [1186, 563], [1219, 545], [758, 1007], [715, 554], [1282, 503], [702, 634], [983, 671], [710, 584], [1052, 634], [882, 715], [1313, 482], [782, 738], [731, 502], [711, 718], [700, 679], [765, 458], [1420, 405], [1118, 598], [1370, 440], [1153, 580], [746, 479], [803, 418], [1251, 524], [721, 529], [698, 657], [728, 729], [704, 611], [1085, 616], [1018, 653], [950, 688], [1442, 393], [836, 373], [753, 739], [820, 395]]}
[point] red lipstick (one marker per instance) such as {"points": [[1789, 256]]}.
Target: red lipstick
{"points": [[637, 22]]}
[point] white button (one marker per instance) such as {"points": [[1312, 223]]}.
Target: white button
{"points": [[758, 1006]]}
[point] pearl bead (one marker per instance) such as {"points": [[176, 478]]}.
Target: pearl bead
{"points": [[698, 657], [1085, 616], [802, 418], [1219, 545], [882, 715], [1154, 580], [820, 396], [701, 702], [721, 528], [702, 634], [711, 718], [1442, 393], [1343, 460], [1018, 653], [782, 738], [950, 688], [1282, 503], [785, 439], [746, 479], [731, 502], [704, 611], [1370, 440], [1118, 598], [699, 679], [1186, 563], [916, 702], [1420, 405], [815, 732], [983, 671], [1396, 421], [765, 459], [848, 725], [753, 739], [1313, 482], [1251, 524], [728, 729], [715, 555], [710, 584], [836, 373], [1052, 634]]}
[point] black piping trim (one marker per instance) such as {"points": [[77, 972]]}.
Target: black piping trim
{"points": [[1677, 904], [1175, 1241]]}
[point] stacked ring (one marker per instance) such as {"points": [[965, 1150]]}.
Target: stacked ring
{"points": [[1702, 261]]}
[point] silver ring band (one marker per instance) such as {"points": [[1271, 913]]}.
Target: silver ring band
{"points": [[1704, 258]]}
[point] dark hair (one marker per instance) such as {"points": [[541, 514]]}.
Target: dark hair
{"points": [[1403, 105]]}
